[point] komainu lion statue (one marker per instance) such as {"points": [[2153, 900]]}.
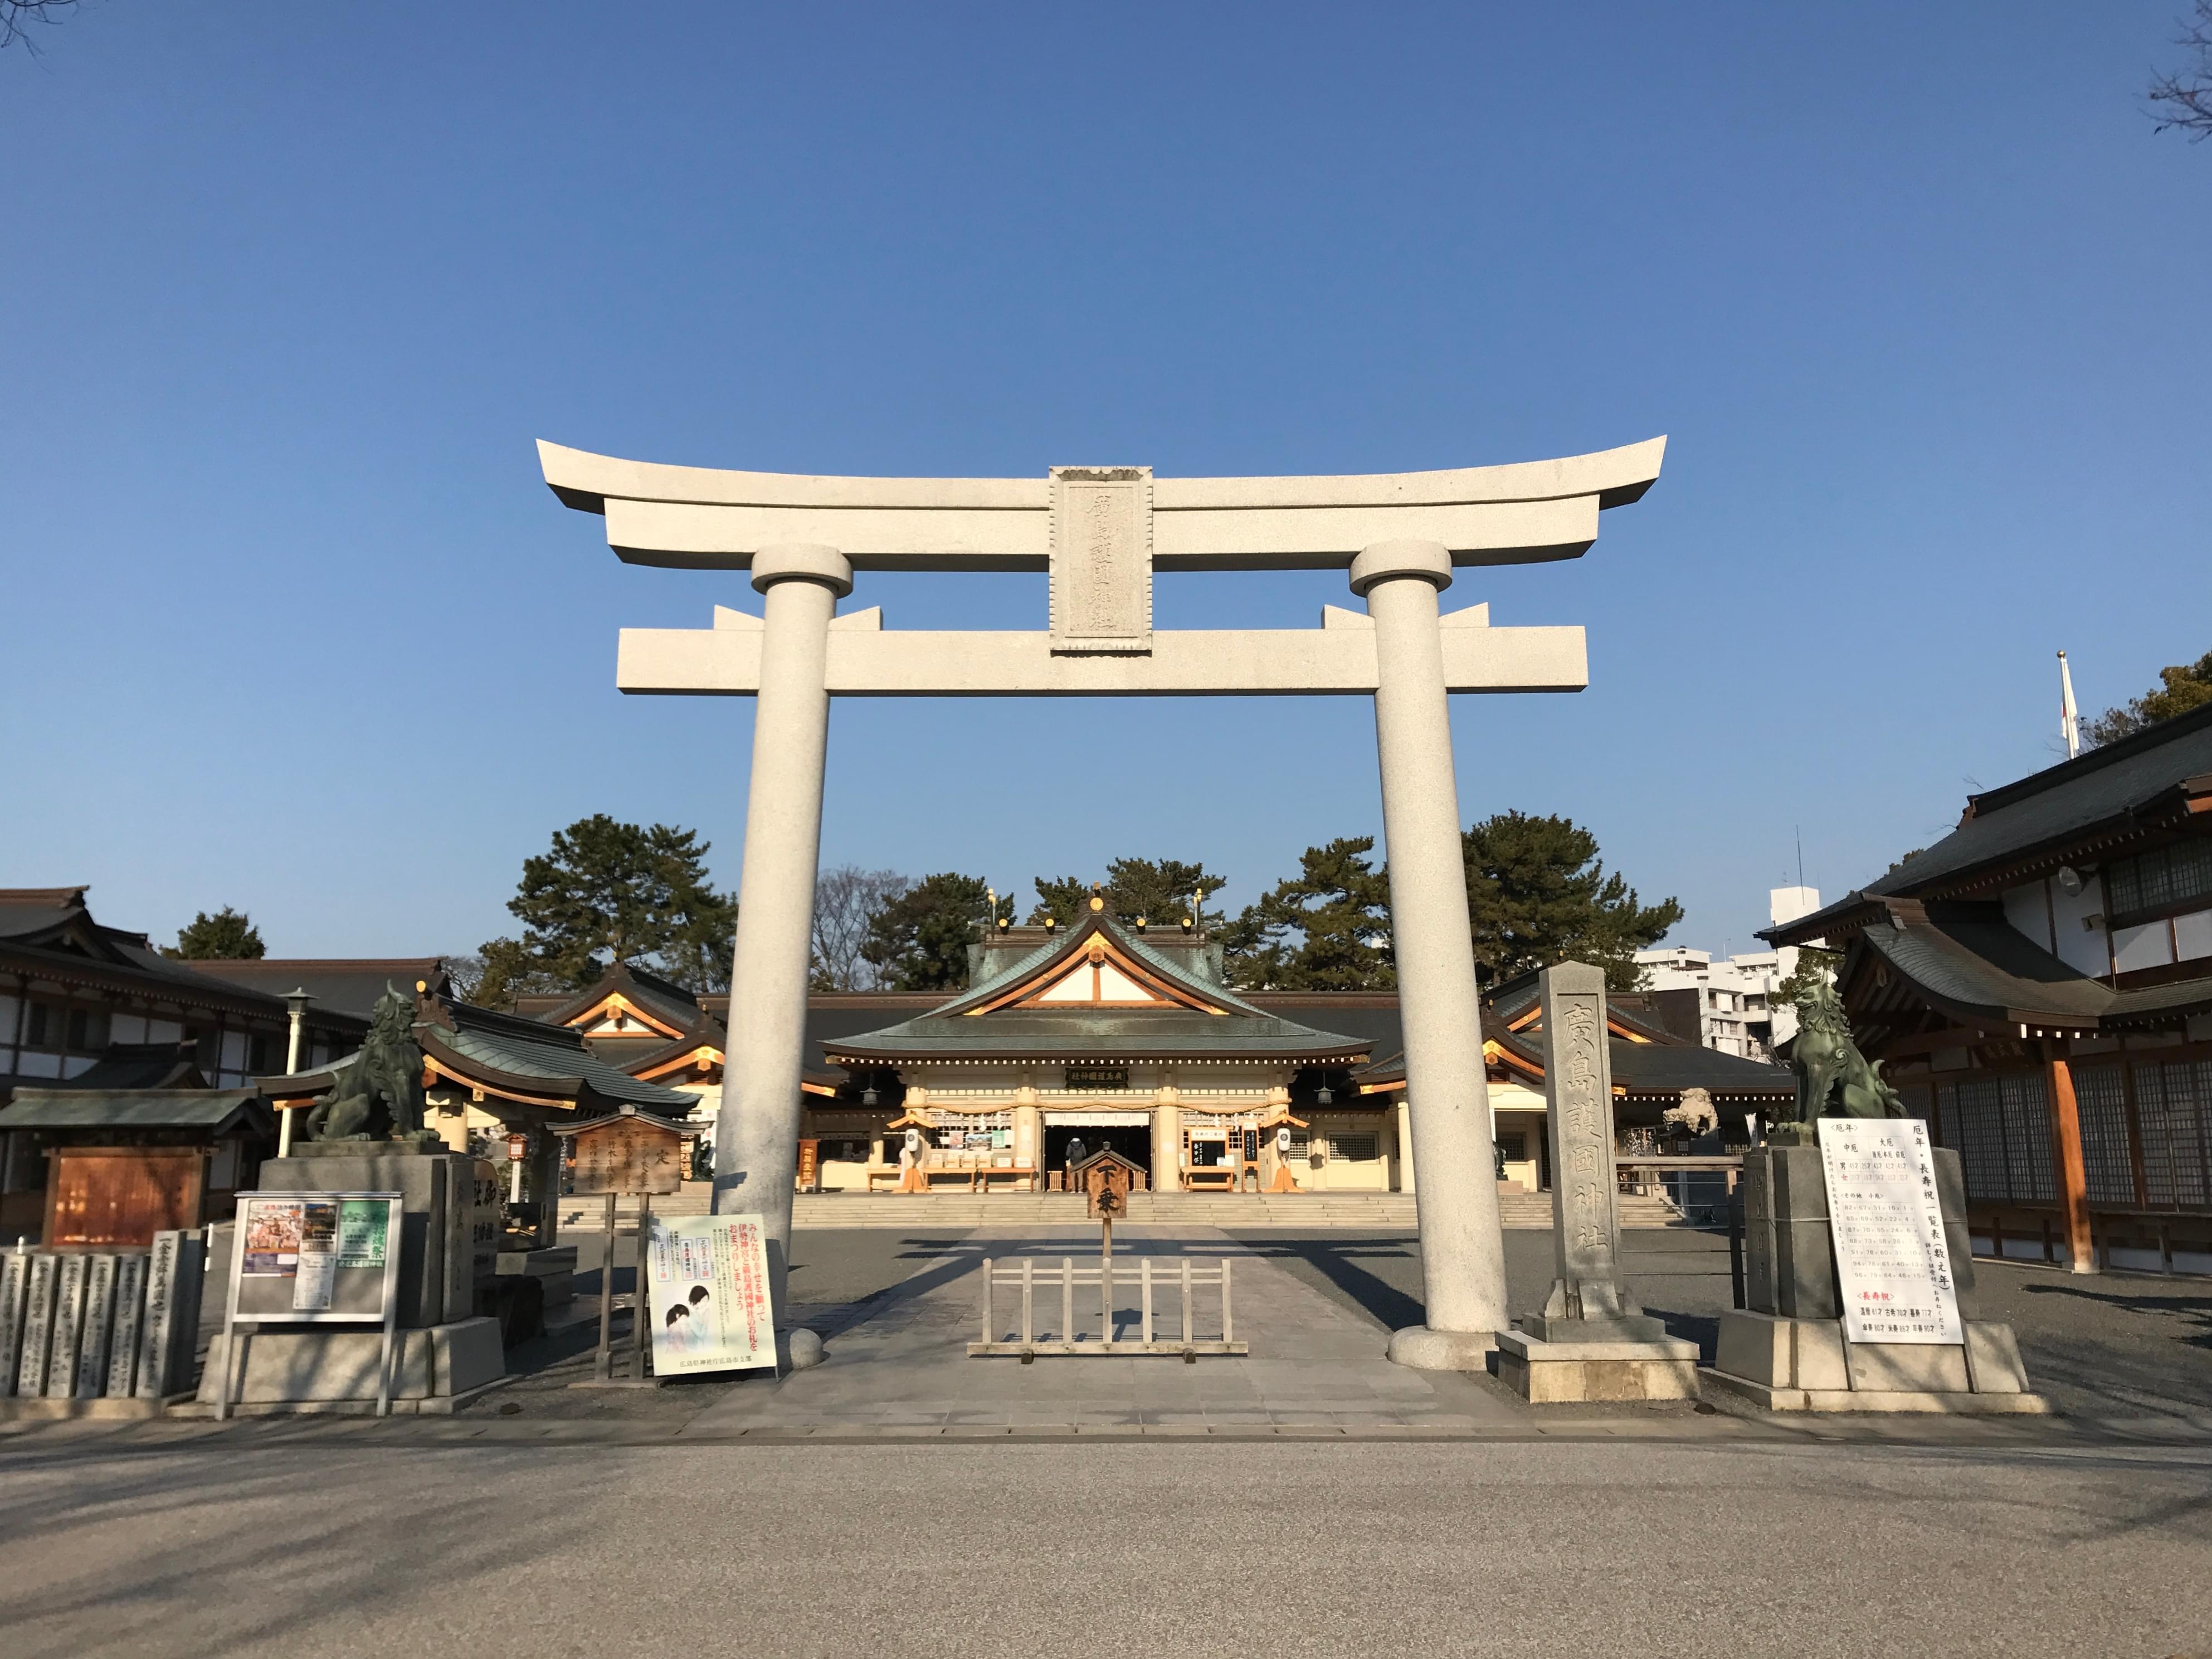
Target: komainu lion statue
{"points": [[1831, 1070], [388, 1071]]}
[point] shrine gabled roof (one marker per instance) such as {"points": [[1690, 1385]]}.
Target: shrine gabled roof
{"points": [[2159, 778], [1187, 1017], [661, 1000], [505, 1054]]}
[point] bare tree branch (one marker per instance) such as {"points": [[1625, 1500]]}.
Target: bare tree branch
{"points": [[15, 14], [2183, 99], [846, 903]]}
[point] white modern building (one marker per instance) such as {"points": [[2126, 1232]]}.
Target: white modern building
{"points": [[1727, 1001]]}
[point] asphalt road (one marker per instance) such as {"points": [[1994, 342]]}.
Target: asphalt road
{"points": [[298, 1552]]}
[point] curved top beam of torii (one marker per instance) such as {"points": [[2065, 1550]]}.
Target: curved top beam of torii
{"points": [[708, 518]]}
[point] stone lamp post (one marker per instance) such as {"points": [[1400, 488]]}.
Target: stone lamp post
{"points": [[295, 1002]]}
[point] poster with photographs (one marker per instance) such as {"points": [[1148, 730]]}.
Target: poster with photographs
{"points": [[707, 1294], [269, 1237]]}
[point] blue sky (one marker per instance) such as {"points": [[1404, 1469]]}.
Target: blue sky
{"points": [[293, 625]]}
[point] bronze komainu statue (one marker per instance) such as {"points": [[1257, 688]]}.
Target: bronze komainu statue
{"points": [[1831, 1070], [387, 1071]]}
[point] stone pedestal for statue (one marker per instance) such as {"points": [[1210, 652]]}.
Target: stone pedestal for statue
{"points": [[1591, 1341], [449, 1240], [1785, 1349]]}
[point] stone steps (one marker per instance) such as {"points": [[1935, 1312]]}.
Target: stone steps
{"points": [[1393, 1212]]}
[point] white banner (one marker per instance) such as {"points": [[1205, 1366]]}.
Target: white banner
{"points": [[1892, 1261], [707, 1290]]}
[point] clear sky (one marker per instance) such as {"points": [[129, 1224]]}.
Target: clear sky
{"points": [[291, 623]]}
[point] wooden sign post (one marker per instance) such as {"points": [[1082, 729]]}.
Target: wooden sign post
{"points": [[636, 1154]]}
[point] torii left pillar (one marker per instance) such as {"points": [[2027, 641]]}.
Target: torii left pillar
{"points": [[757, 1135]]}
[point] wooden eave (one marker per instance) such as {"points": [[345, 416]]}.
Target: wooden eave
{"points": [[704, 1058], [616, 1003]]}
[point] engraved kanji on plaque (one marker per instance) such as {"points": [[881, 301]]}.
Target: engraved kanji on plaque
{"points": [[1102, 559]]}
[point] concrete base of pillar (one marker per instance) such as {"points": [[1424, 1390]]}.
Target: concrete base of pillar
{"points": [[309, 1369], [1779, 1364], [1421, 1349], [1558, 1373]]}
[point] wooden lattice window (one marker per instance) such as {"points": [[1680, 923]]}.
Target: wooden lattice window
{"points": [[2100, 1099], [2173, 1100]]}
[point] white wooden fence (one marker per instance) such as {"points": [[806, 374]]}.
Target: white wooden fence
{"points": [[1149, 1274]]}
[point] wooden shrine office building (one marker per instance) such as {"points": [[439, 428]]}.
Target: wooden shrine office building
{"points": [[2038, 986]]}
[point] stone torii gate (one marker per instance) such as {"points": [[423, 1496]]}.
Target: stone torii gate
{"points": [[1100, 532]]}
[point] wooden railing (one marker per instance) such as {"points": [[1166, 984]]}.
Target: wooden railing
{"points": [[1147, 1273]]}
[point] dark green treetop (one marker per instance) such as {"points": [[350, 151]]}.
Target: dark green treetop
{"points": [[2185, 686], [1537, 893], [228, 935], [1326, 929], [919, 941], [1159, 889], [610, 892]]}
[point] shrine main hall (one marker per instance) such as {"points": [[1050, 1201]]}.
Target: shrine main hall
{"points": [[1127, 1036]]}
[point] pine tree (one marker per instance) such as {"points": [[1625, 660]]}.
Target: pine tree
{"points": [[1326, 929], [228, 935], [919, 941], [1538, 894], [610, 892], [1159, 889]]}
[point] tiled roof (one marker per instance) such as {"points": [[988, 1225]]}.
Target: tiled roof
{"points": [[341, 985], [951, 1032], [1970, 961], [2106, 791], [132, 1108]]}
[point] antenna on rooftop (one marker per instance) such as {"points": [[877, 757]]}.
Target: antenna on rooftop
{"points": [[2069, 716]]}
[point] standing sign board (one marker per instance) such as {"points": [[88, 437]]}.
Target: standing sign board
{"points": [[634, 1152], [1892, 1262], [315, 1258], [706, 1286]]}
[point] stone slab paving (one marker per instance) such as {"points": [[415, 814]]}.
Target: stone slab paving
{"points": [[902, 1361]]}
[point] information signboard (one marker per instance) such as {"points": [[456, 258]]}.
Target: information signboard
{"points": [[314, 1258], [1893, 1263], [707, 1290], [627, 1154]]}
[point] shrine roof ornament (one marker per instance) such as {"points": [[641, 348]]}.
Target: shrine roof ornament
{"points": [[712, 518]]}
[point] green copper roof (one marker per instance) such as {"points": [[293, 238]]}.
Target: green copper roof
{"points": [[1241, 1032]]}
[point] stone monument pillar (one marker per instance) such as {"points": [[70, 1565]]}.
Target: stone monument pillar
{"points": [[1462, 1251], [757, 1135], [1591, 1341]]}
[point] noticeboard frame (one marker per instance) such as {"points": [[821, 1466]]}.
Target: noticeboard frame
{"points": [[388, 1308]]}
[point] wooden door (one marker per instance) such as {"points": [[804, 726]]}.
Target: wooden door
{"points": [[99, 1195]]}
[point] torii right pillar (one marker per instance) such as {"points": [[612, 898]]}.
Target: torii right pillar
{"points": [[1462, 1249]]}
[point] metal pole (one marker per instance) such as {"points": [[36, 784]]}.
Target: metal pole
{"points": [[640, 1304], [602, 1366]]}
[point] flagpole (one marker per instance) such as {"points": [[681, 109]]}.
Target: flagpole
{"points": [[2069, 716]]}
